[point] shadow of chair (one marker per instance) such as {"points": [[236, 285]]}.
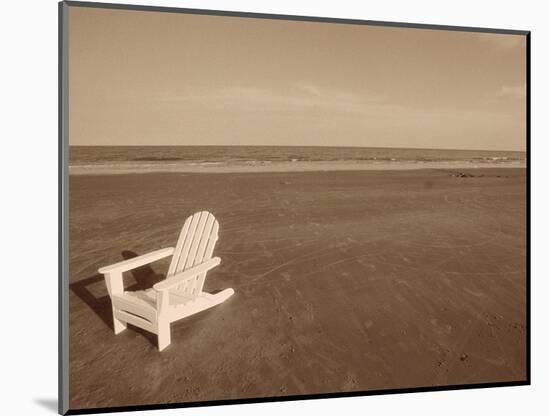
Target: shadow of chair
{"points": [[144, 277]]}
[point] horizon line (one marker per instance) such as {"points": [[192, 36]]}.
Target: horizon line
{"points": [[290, 145]]}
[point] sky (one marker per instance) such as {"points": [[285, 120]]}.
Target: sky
{"points": [[153, 78]]}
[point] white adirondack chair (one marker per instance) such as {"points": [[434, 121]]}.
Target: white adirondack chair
{"points": [[180, 294]]}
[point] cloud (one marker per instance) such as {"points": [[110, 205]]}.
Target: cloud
{"points": [[502, 42], [309, 89], [512, 91], [291, 98]]}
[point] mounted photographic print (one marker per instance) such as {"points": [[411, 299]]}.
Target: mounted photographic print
{"points": [[265, 208]]}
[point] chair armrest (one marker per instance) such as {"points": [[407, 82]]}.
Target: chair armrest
{"points": [[187, 274], [138, 261]]}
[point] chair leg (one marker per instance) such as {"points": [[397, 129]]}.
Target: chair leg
{"points": [[163, 335], [118, 325]]}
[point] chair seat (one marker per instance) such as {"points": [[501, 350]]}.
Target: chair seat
{"points": [[144, 302], [149, 296]]}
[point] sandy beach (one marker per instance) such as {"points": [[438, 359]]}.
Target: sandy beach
{"points": [[348, 280]]}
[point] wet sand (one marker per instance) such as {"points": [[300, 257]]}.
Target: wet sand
{"points": [[344, 281], [287, 166]]}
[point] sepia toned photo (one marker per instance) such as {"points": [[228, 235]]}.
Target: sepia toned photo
{"points": [[272, 207]]}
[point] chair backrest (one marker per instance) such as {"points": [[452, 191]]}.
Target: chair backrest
{"points": [[195, 245]]}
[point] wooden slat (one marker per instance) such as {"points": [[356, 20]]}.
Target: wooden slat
{"points": [[205, 237], [201, 303], [135, 320], [195, 245], [213, 237], [196, 240], [137, 261], [212, 241], [136, 306], [179, 278], [179, 246], [188, 240], [202, 239]]}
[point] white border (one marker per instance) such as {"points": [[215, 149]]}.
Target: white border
{"points": [[29, 203]]}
